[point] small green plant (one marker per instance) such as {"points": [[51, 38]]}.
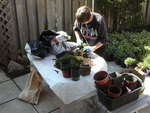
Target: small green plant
{"points": [[146, 63], [129, 61], [68, 59]]}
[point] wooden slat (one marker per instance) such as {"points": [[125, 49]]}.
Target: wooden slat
{"points": [[51, 16], [41, 6], [68, 16], [148, 14], [59, 15], [15, 30], [89, 3], [22, 22], [75, 6], [32, 16]]}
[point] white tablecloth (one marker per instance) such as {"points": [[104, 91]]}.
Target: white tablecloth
{"points": [[66, 89]]}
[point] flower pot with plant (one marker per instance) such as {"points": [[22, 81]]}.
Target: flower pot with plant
{"points": [[130, 62], [75, 62], [85, 69], [144, 66]]}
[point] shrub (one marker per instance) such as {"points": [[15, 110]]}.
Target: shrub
{"points": [[127, 44]]}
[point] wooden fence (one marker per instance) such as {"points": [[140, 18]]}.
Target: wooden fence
{"points": [[28, 18], [32, 15]]}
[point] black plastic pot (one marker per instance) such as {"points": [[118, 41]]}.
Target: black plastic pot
{"points": [[75, 73], [131, 82]]}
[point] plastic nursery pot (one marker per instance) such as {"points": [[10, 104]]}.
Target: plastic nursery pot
{"points": [[114, 91], [101, 78], [66, 73], [84, 70], [116, 78], [75, 74], [131, 82]]}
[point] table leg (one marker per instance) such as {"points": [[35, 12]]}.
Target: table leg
{"points": [[33, 88]]}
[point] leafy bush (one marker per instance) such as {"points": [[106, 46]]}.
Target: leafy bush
{"points": [[127, 44]]}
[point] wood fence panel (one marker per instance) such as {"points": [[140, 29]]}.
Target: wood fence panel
{"points": [[148, 14], [32, 16], [68, 16], [59, 15], [51, 16], [89, 3], [22, 22], [41, 7], [75, 6]]}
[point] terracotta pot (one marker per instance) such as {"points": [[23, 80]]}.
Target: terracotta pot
{"points": [[84, 70], [114, 91], [101, 78], [66, 73]]}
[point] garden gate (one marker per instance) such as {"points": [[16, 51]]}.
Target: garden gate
{"points": [[8, 41]]}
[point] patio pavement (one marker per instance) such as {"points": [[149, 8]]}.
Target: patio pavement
{"points": [[48, 103]]}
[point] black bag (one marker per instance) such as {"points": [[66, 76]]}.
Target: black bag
{"points": [[38, 49], [42, 46]]}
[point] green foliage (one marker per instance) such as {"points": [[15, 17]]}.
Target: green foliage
{"points": [[68, 60], [145, 63], [124, 13], [128, 44], [129, 61]]}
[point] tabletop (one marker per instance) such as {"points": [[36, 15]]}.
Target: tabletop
{"points": [[66, 89]]}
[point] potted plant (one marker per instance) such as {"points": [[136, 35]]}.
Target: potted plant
{"points": [[114, 91], [130, 62], [63, 63], [144, 66], [75, 62], [85, 69]]}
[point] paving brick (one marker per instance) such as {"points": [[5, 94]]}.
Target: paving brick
{"points": [[48, 101], [3, 76], [145, 110], [57, 111], [21, 81], [16, 106], [113, 67], [8, 91], [85, 106]]}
